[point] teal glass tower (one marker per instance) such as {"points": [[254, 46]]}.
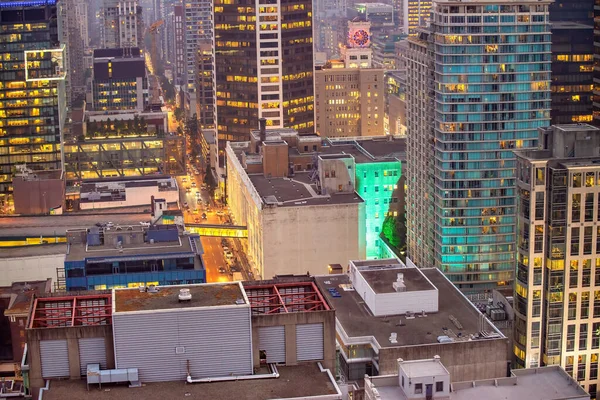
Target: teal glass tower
{"points": [[491, 91]]}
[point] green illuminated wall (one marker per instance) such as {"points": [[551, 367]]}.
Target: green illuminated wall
{"points": [[379, 184]]}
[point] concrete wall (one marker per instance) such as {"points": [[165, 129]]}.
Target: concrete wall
{"points": [[30, 268], [290, 320], [297, 240], [465, 361], [72, 334], [38, 196], [275, 159]]}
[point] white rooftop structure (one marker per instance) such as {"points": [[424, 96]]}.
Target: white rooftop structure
{"points": [[389, 287]]}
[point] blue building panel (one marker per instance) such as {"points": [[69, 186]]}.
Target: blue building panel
{"points": [[101, 282]]}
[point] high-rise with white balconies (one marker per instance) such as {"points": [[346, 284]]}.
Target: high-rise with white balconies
{"points": [[264, 66], [491, 92]]}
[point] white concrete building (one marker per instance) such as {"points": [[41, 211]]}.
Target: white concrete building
{"points": [[293, 228], [33, 263], [127, 193]]}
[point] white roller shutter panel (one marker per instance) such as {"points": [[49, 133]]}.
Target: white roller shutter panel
{"points": [[272, 340], [309, 342], [91, 351], [55, 358]]}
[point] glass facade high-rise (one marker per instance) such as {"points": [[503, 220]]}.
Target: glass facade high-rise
{"points": [[264, 66], [492, 91], [32, 74]]}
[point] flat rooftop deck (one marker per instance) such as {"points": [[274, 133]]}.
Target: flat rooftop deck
{"points": [[381, 280], [108, 250], [58, 224], [294, 382], [353, 314], [546, 383], [34, 251], [203, 295], [297, 191]]}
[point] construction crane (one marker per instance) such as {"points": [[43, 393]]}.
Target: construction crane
{"points": [[153, 31]]}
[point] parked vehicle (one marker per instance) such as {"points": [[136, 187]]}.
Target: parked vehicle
{"points": [[203, 215], [222, 270]]}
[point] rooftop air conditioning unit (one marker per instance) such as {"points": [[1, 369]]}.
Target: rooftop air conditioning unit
{"points": [[184, 295]]}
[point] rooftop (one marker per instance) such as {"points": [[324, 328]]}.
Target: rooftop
{"points": [[20, 294], [166, 298], [423, 368], [373, 149], [357, 320], [300, 381], [270, 297], [185, 244], [380, 280], [34, 251], [59, 311], [545, 383], [297, 191]]}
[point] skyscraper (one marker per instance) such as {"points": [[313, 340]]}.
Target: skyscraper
{"points": [[265, 69], [491, 93], [557, 284], [176, 40], [122, 24], [198, 27], [415, 13], [32, 77]]}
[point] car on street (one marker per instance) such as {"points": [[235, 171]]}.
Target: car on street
{"points": [[186, 205], [203, 215], [228, 254], [188, 190], [184, 179], [224, 242], [193, 184], [220, 213], [234, 268], [196, 173], [222, 270], [197, 220], [225, 248], [196, 210], [198, 195], [204, 186]]}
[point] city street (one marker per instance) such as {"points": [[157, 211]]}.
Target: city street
{"points": [[201, 209]]}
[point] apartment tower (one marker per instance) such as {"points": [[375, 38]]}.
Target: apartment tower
{"points": [[198, 25], [415, 14], [491, 91], [557, 283], [122, 24], [32, 86], [264, 66]]}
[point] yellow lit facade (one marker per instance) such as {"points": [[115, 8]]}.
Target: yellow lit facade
{"points": [[264, 67], [32, 95]]}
